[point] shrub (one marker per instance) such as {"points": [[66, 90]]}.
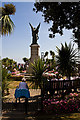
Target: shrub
{"points": [[5, 78], [57, 105]]}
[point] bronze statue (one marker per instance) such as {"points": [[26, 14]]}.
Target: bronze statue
{"points": [[35, 33]]}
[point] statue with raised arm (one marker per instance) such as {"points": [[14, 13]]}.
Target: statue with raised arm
{"points": [[35, 33]]}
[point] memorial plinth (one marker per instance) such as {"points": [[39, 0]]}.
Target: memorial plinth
{"points": [[34, 52]]}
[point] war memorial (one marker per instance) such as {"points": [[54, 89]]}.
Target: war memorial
{"points": [[34, 46]]}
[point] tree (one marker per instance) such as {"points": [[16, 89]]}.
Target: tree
{"points": [[53, 58], [46, 54], [5, 20], [53, 55], [66, 59], [62, 15], [47, 60], [9, 64], [25, 59]]}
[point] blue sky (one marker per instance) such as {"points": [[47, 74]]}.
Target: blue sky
{"points": [[17, 45]]}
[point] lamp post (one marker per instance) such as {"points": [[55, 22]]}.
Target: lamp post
{"points": [[42, 56]]}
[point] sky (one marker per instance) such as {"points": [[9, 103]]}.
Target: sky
{"points": [[17, 45]]}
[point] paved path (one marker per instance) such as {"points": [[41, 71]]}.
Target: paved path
{"points": [[18, 116]]}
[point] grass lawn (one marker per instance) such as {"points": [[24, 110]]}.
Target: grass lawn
{"points": [[14, 84]]}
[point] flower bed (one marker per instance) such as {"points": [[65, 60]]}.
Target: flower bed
{"points": [[57, 105], [53, 74]]}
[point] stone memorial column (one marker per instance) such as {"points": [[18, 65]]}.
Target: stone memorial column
{"points": [[34, 52]]}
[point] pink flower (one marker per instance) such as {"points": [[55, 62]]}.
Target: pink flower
{"points": [[71, 94], [46, 101], [49, 104], [49, 71], [43, 101], [57, 102], [52, 102], [61, 101], [56, 73], [49, 100]]}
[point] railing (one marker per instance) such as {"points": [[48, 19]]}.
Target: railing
{"points": [[63, 85]]}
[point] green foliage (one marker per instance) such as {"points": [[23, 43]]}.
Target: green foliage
{"points": [[66, 59], [37, 70], [50, 62], [9, 63], [26, 60], [46, 54], [8, 9], [52, 53], [62, 15], [53, 57], [7, 25], [5, 78], [5, 21]]}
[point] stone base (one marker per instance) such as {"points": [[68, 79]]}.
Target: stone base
{"points": [[34, 52]]}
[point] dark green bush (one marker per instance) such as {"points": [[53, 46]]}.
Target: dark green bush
{"points": [[5, 79]]}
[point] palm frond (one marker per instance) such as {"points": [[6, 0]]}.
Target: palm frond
{"points": [[66, 58], [38, 69], [7, 25]]}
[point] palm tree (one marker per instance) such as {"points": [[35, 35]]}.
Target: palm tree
{"points": [[5, 20], [66, 59], [37, 70], [78, 43]]}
